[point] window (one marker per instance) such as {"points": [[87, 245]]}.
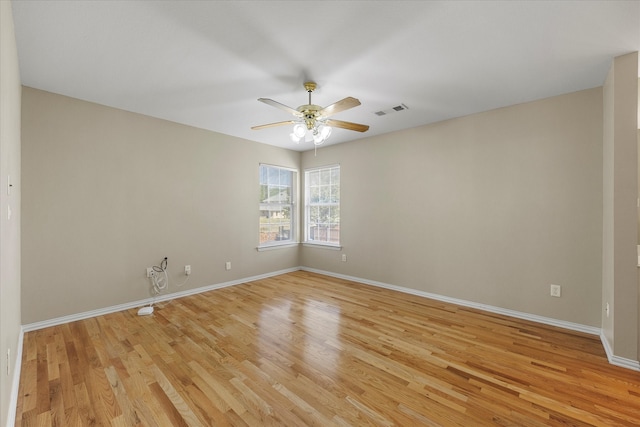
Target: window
{"points": [[322, 205], [276, 205]]}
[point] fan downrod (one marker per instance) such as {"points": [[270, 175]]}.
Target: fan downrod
{"points": [[310, 111]]}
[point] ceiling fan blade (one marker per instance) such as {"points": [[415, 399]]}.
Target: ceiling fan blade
{"points": [[280, 106], [347, 125], [336, 107], [271, 125]]}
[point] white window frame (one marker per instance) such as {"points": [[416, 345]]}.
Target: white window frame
{"points": [[275, 205], [309, 204]]}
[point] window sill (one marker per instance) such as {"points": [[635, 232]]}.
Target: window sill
{"points": [[277, 246], [322, 246]]}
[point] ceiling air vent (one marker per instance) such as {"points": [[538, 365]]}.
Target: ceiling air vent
{"points": [[397, 108]]}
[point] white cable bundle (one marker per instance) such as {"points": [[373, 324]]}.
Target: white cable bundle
{"points": [[160, 280]]}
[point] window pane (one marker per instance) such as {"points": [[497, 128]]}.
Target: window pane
{"points": [[314, 213], [264, 193], [285, 177], [314, 195], [285, 195], [274, 176], [263, 174], [323, 217], [274, 194], [335, 194], [313, 178], [325, 177], [335, 214], [286, 214], [324, 194], [335, 176], [334, 234]]}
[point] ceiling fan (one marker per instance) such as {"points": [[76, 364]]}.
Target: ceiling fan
{"points": [[312, 121]]}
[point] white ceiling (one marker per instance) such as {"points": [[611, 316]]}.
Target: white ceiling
{"points": [[205, 63]]}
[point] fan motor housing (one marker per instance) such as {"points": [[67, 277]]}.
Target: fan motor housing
{"points": [[310, 114]]}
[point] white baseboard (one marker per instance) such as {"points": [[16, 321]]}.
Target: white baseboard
{"points": [[135, 304], [15, 384], [617, 360]]}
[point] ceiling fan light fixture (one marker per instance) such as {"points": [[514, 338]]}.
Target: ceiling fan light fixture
{"points": [[312, 121]]}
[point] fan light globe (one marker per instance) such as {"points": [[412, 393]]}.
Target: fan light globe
{"points": [[294, 137], [325, 131], [299, 130], [320, 134]]}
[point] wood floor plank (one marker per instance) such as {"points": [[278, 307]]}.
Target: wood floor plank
{"points": [[302, 349], [128, 416]]}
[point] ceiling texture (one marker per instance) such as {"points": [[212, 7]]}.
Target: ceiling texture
{"points": [[205, 63]]}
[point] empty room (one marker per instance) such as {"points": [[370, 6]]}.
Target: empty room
{"points": [[330, 213]]}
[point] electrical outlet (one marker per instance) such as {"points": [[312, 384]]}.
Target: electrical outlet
{"points": [[187, 270], [227, 265], [556, 291], [344, 257], [149, 271], [607, 310]]}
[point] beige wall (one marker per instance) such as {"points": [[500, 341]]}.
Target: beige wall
{"points": [[9, 228], [490, 208], [620, 184], [107, 193]]}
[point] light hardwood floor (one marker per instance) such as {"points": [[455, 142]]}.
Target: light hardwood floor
{"points": [[304, 349]]}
